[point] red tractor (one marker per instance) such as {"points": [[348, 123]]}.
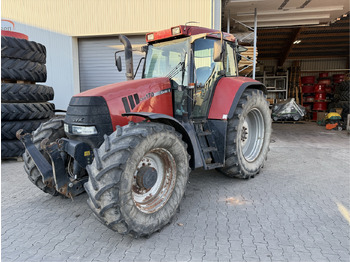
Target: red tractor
{"points": [[132, 145]]}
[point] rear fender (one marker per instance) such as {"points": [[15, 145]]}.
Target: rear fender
{"points": [[227, 94], [185, 129]]}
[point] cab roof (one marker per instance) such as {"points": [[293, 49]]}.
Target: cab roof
{"points": [[184, 31]]}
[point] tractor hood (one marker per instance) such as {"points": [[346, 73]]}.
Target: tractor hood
{"points": [[144, 95]]}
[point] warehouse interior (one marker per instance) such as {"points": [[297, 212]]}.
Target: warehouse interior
{"points": [[299, 44]]}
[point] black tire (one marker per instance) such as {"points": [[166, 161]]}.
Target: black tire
{"points": [[26, 111], [254, 108], [17, 48], [17, 69], [112, 188], [11, 148], [52, 130], [9, 128], [14, 93]]}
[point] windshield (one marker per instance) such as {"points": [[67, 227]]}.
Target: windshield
{"points": [[167, 59]]}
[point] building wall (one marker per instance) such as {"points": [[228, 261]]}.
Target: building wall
{"points": [[317, 65], [108, 17], [59, 62]]}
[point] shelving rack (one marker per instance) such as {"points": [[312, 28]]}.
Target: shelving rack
{"points": [[276, 85]]}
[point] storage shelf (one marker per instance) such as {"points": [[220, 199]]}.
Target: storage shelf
{"points": [[276, 85]]}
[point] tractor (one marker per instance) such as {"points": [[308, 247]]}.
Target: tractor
{"points": [[131, 145]]}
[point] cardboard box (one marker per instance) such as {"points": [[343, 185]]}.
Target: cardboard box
{"points": [[339, 110], [321, 115], [271, 101]]}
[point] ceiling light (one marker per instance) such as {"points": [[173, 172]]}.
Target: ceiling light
{"points": [[296, 42]]}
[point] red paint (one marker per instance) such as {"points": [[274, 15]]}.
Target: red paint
{"points": [[326, 82], [320, 96], [324, 74], [319, 88], [114, 93], [225, 92], [188, 31], [320, 106], [14, 34], [307, 89], [308, 80]]}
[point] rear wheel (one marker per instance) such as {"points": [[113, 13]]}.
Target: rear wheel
{"points": [[52, 130], [248, 136], [138, 178]]}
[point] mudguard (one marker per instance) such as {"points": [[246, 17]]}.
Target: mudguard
{"points": [[186, 129], [228, 91]]}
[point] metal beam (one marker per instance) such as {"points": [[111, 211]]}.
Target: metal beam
{"points": [[289, 47], [255, 36]]}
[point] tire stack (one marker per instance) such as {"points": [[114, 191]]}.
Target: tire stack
{"points": [[23, 102], [341, 95], [308, 93]]}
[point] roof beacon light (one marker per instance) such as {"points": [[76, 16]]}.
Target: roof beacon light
{"points": [[150, 37], [176, 30]]}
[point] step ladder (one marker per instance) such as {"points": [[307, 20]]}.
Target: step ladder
{"points": [[208, 146]]}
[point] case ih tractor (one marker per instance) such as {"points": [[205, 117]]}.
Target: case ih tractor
{"points": [[132, 145]]}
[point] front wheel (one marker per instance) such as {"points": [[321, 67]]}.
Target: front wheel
{"points": [[138, 178], [248, 136]]}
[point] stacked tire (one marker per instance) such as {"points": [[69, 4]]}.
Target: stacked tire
{"points": [[341, 97], [24, 103]]}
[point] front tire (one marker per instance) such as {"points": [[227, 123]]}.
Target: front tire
{"points": [[52, 130], [138, 178], [248, 136]]}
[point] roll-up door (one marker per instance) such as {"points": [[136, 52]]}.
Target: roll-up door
{"points": [[97, 63]]}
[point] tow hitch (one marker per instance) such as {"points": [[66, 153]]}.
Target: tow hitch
{"points": [[65, 178]]}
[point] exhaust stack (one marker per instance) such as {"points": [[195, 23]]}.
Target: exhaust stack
{"points": [[128, 57]]}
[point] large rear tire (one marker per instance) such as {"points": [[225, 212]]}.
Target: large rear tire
{"points": [[248, 136], [52, 130], [138, 178]]}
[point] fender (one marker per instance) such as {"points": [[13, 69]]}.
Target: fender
{"points": [[186, 129], [227, 94]]}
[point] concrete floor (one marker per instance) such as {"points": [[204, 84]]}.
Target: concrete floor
{"points": [[297, 209]]}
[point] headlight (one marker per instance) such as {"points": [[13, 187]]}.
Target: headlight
{"points": [[66, 129], [84, 130]]}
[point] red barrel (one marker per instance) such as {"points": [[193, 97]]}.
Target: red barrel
{"points": [[314, 116], [324, 74], [326, 82], [337, 78], [320, 106], [319, 88], [308, 80], [320, 96], [308, 89]]}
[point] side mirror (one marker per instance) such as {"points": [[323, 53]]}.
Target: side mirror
{"points": [[118, 63], [217, 51]]}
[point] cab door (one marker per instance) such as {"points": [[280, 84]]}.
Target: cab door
{"points": [[206, 72]]}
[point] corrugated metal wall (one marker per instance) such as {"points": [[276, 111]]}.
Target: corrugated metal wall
{"points": [[97, 63], [317, 64], [106, 17]]}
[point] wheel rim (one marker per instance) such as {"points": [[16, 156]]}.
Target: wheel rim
{"points": [[152, 198], [252, 135]]}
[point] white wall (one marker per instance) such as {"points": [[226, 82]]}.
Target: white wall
{"points": [[59, 61]]}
